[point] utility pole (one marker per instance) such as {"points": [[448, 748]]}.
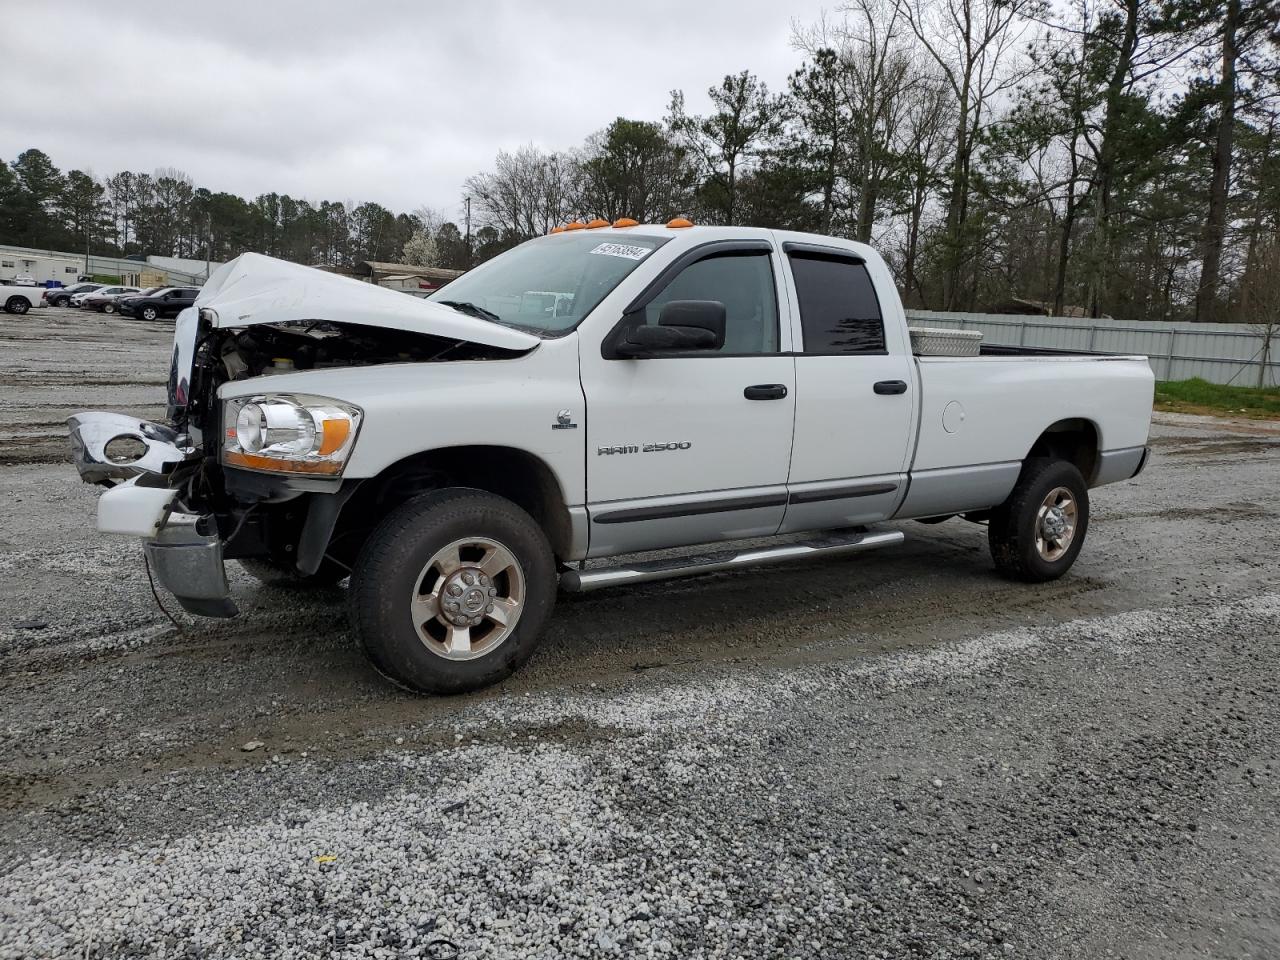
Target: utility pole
{"points": [[467, 200]]}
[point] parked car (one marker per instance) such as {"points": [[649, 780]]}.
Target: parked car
{"points": [[61, 296], [167, 302], [104, 300], [149, 292], [78, 299], [110, 302], [19, 298], [23, 280], [461, 457]]}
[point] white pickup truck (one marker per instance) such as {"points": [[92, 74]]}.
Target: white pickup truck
{"points": [[18, 297], [597, 393]]}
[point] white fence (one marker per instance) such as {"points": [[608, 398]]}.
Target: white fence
{"points": [[1235, 353]]}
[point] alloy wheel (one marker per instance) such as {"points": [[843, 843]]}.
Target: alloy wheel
{"points": [[468, 598]]}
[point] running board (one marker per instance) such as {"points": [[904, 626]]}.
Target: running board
{"points": [[581, 581]]}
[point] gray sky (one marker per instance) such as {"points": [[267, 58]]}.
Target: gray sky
{"points": [[395, 102]]}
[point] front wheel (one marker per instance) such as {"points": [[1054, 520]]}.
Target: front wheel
{"points": [[108, 308], [450, 593], [18, 305], [149, 313], [1037, 533]]}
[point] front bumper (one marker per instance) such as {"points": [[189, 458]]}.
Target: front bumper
{"points": [[91, 433], [182, 548], [189, 565]]}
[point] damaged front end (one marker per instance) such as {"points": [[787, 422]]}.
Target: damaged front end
{"points": [[260, 476], [137, 460]]}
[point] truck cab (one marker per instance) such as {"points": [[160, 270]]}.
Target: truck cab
{"points": [[597, 393]]}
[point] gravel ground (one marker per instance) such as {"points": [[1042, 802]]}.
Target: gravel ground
{"points": [[893, 755]]}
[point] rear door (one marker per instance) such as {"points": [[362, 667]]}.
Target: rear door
{"points": [[854, 403], [178, 300], [694, 448]]}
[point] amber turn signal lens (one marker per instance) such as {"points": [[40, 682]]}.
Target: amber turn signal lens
{"points": [[252, 461], [679, 222], [335, 433]]}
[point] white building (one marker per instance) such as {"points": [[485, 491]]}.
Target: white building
{"points": [[41, 268], [184, 265]]}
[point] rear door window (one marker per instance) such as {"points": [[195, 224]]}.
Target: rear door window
{"points": [[839, 311]]}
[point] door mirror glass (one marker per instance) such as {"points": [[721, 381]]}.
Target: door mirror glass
{"points": [[682, 325]]}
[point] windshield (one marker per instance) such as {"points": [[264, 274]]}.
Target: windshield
{"points": [[548, 285]]}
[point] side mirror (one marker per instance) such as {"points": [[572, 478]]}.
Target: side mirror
{"points": [[682, 325]]}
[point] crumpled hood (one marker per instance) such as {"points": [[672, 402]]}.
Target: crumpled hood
{"points": [[254, 289]]}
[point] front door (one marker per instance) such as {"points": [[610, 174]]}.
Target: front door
{"points": [[695, 448]]}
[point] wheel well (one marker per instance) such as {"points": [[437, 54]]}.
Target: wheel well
{"points": [[1074, 440], [514, 474]]}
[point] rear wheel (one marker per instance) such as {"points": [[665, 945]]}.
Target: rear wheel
{"points": [[1037, 533], [108, 308], [451, 591], [61, 301], [18, 305]]}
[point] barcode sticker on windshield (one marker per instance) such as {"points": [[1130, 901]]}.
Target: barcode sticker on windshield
{"points": [[622, 250]]}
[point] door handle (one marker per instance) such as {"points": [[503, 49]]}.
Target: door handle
{"points": [[766, 391], [883, 387]]}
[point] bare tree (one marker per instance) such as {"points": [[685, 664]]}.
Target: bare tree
{"points": [[974, 44], [871, 71], [527, 193], [1051, 133], [925, 144], [877, 72], [1262, 293], [1247, 74]]}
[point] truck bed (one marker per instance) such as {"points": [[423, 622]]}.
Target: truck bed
{"points": [[990, 408]]}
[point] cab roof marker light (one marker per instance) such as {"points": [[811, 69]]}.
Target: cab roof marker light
{"points": [[597, 223], [576, 225], [626, 222], [679, 223]]}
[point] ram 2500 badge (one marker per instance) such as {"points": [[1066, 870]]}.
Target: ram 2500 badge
{"points": [[461, 457]]}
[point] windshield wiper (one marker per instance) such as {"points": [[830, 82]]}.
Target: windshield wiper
{"points": [[471, 310]]}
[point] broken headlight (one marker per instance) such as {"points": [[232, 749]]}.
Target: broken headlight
{"points": [[289, 433]]}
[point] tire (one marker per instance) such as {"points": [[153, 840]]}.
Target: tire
{"points": [[274, 574], [18, 305], [61, 301], [108, 308], [1013, 534], [148, 313], [400, 562]]}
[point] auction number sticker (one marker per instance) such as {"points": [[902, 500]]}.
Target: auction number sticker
{"points": [[622, 250]]}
